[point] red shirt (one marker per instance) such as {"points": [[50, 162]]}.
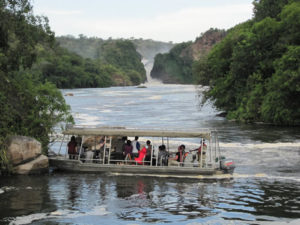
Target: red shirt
{"points": [[199, 149]]}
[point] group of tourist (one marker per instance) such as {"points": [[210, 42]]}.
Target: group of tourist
{"points": [[73, 146], [181, 155], [133, 151]]}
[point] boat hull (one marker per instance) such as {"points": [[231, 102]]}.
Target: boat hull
{"points": [[137, 170]]}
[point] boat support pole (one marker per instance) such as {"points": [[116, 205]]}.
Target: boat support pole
{"points": [[215, 140], [201, 153], [210, 151], [80, 148], [151, 157], [109, 150], [61, 144], [168, 144], [219, 153], [104, 149]]}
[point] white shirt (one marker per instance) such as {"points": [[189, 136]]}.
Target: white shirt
{"points": [[134, 149]]}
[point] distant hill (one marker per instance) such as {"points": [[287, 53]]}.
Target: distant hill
{"points": [[176, 66], [83, 46], [91, 47]]}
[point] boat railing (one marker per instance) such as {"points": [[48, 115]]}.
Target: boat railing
{"points": [[146, 163]]}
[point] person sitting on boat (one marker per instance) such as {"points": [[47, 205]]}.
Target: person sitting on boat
{"points": [[120, 148], [72, 148], [142, 154], [178, 159], [162, 156], [98, 150], [136, 146], [128, 150]]}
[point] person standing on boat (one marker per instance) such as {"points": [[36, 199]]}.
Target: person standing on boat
{"points": [[128, 150], [135, 146], [149, 150], [72, 148]]}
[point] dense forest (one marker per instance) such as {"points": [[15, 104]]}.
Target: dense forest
{"points": [[176, 65], [29, 106], [90, 47], [111, 51], [171, 67], [254, 73], [118, 64]]}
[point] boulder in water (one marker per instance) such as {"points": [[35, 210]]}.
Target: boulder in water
{"points": [[36, 166], [24, 154], [22, 149]]}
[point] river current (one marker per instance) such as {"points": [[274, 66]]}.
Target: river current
{"points": [[265, 188]]}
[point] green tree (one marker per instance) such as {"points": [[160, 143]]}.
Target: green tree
{"points": [[122, 54], [173, 65], [253, 72], [28, 106], [268, 8], [281, 105]]}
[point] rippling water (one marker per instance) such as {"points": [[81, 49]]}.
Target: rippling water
{"points": [[265, 188]]}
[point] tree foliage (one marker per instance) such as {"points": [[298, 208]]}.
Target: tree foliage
{"points": [[88, 72], [253, 72], [28, 106], [178, 65], [122, 54], [174, 65]]}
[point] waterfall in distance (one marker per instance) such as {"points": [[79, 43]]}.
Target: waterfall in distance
{"points": [[148, 64], [148, 54]]}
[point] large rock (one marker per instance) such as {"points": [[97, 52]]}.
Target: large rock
{"points": [[37, 166], [22, 149]]}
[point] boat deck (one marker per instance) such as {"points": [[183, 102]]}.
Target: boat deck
{"points": [[79, 166]]}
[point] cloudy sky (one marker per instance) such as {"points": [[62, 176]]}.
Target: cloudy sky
{"points": [[163, 20]]}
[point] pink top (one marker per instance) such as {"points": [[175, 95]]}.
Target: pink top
{"points": [[141, 156]]}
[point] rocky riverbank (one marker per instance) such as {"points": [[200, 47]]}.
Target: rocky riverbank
{"points": [[24, 154]]}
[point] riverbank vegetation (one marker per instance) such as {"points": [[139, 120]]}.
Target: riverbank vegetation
{"points": [[119, 60], [254, 73], [118, 64], [29, 106], [173, 67]]}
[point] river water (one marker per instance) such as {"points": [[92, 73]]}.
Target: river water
{"points": [[265, 188]]}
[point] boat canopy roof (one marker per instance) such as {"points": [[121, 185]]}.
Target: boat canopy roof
{"points": [[121, 131]]}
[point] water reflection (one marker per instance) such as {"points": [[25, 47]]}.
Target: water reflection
{"points": [[69, 198], [278, 199], [24, 195]]}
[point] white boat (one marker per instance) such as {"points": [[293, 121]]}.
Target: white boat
{"points": [[106, 157]]}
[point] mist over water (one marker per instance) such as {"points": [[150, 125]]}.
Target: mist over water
{"points": [[265, 188]]}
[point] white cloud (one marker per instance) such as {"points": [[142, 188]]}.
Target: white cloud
{"points": [[183, 25]]}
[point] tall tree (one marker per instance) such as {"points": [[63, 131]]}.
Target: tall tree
{"points": [[254, 72], [28, 107]]}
